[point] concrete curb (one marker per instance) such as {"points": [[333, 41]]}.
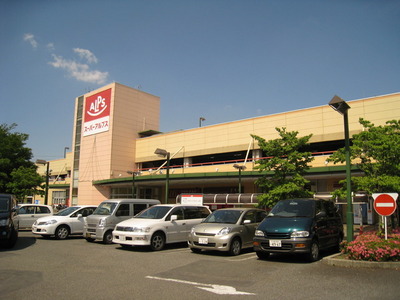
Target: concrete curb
{"points": [[332, 260]]}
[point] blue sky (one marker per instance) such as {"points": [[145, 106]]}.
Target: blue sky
{"points": [[223, 60]]}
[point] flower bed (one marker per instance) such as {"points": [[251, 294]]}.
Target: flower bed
{"points": [[371, 246]]}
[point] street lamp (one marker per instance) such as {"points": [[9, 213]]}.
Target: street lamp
{"points": [[65, 151], [165, 153], [240, 168], [133, 173], [339, 105], [47, 163], [201, 119]]}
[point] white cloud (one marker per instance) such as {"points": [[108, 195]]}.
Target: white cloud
{"points": [[74, 68], [86, 54], [50, 46], [79, 71], [30, 38]]}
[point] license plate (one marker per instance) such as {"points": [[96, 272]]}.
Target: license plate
{"points": [[203, 240], [122, 238], [275, 243]]}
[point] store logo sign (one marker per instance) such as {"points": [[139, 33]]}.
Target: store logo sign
{"points": [[97, 113]]}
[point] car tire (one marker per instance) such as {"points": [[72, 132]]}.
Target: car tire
{"points": [[61, 233], [157, 241], [313, 255], [195, 250], [13, 239], [235, 247], [262, 255], [108, 237]]}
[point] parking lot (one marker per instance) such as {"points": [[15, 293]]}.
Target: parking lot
{"points": [[39, 268]]}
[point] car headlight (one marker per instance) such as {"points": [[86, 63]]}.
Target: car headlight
{"points": [[224, 231], [102, 223], [140, 229], [50, 222], [259, 233], [4, 222], [296, 234]]}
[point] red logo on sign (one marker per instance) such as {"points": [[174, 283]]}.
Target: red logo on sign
{"points": [[98, 105]]}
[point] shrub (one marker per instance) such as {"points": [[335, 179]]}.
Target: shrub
{"points": [[371, 246]]}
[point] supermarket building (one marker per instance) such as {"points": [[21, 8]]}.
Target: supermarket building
{"points": [[116, 132]]}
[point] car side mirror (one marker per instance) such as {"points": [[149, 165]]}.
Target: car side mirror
{"points": [[321, 214], [174, 217], [80, 216]]}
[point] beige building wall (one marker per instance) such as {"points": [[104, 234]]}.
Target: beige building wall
{"points": [[60, 175], [110, 154], [323, 122]]}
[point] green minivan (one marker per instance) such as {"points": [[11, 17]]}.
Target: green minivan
{"points": [[299, 226]]}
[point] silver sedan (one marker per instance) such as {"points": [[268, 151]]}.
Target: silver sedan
{"points": [[227, 229]]}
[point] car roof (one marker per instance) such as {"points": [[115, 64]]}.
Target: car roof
{"points": [[241, 208], [181, 205], [30, 204], [131, 200]]}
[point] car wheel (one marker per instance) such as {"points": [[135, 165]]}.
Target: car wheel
{"points": [[157, 241], [236, 247], [195, 250], [13, 239], [262, 255], [61, 233], [107, 238], [314, 252]]}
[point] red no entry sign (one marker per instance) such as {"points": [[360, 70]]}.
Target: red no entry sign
{"points": [[385, 204]]}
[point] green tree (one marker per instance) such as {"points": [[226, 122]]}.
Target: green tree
{"points": [[25, 182], [376, 153], [284, 168], [13, 155]]}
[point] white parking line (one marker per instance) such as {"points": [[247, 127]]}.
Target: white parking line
{"points": [[213, 288], [243, 257]]}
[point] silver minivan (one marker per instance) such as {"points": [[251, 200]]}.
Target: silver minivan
{"points": [[100, 225]]}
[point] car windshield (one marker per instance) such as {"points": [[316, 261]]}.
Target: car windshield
{"points": [[4, 204], [293, 208], [154, 212], [67, 211], [224, 216], [105, 209]]}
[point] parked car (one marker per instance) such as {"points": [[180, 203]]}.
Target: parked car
{"points": [[159, 225], [66, 222], [9, 223], [101, 223], [299, 226], [227, 229], [29, 213]]}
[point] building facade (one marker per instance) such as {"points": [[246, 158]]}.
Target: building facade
{"points": [[116, 132]]}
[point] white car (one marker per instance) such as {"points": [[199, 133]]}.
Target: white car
{"points": [[159, 225], [29, 213], [66, 222]]}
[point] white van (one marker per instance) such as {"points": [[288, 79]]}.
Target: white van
{"points": [[160, 225], [100, 224]]}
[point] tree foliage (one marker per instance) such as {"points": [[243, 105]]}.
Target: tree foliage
{"points": [[376, 152], [14, 161], [25, 182], [284, 168]]}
